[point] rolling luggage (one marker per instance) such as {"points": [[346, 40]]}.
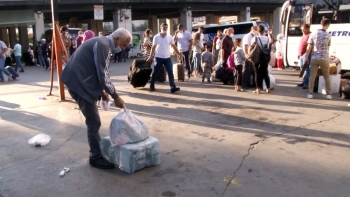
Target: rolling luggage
{"points": [[140, 72], [161, 77], [12, 72], [179, 70], [132, 157]]}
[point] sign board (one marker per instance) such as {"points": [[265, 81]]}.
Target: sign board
{"points": [[98, 12]]}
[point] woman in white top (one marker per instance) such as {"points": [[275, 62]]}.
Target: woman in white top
{"points": [[197, 52], [260, 69]]}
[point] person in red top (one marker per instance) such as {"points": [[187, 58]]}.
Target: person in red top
{"points": [[301, 55], [226, 46], [79, 39]]}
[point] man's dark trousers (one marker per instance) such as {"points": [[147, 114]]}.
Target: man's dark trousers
{"points": [[93, 123]]}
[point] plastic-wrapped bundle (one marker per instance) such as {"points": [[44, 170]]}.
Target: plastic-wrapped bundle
{"points": [[272, 83], [132, 157], [127, 128]]}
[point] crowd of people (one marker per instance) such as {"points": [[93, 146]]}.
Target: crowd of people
{"points": [[200, 56]]}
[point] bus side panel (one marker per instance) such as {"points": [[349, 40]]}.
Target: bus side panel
{"points": [[292, 50]]}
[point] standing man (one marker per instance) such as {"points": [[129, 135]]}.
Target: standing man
{"points": [[85, 87], [66, 37], [302, 53], [226, 46], [161, 51], [3, 49], [318, 44], [17, 49], [248, 67], [100, 33], [44, 50], [184, 44]]}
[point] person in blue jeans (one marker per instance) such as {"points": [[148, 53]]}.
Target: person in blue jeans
{"points": [[17, 50], [306, 76], [161, 51], [3, 49]]}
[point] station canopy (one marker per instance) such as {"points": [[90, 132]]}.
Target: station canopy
{"points": [[16, 18]]}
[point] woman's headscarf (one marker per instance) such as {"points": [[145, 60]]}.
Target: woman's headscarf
{"points": [[280, 37], [88, 34]]}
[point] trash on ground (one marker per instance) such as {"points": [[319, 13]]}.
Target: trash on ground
{"points": [[42, 98], [64, 171], [39, 140]]}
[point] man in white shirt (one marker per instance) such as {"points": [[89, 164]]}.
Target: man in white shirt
{"points": [[161, 52], [184, 44], [3, 49], [248, 68]]}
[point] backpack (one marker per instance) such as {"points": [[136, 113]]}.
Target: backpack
{"points": [[254, 53], [230, 61], [265, 53]]}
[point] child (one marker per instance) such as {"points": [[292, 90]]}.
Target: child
{"points": [[207, 63], [239, 59], [279, 51]]}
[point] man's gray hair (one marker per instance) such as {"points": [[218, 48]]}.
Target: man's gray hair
{"points": [[121, 33]]}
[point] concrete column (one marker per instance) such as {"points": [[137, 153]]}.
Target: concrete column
{"points": [[92, 26], [73, 22], [23, 38], [170, 23], [99, 25], [122, 19], [211, 19], [276, 25], [186, 19], [12, 35], [116, 20], [39, 25], [3, 35], [244, 15], [153, 24]]}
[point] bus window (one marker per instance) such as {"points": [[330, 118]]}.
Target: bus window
{"points": [[337, 13]]}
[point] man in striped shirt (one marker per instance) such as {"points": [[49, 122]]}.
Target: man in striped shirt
{"points": [[86, 76]]}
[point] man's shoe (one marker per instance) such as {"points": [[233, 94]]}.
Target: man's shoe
{"points": [[173, 90], [152, 88], [329, 97], [101, 163], [305, 87], [300, 85]]}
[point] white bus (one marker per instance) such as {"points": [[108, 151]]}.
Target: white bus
{"points": [[241, 29], [294, 15]]}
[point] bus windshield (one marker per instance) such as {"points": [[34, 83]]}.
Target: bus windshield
{"points": [[299, 17]]}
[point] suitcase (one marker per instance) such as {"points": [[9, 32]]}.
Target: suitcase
{"points": [[140, 72], [179, 71], [161, 77], [12, 72], [132, 157]]}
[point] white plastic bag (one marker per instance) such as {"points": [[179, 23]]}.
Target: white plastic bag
{"points": [[39, 140], [127, 128], [105, 105], [272, 83], [218, 65], [269, 69]]}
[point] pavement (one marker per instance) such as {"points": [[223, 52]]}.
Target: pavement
{"points": [[213, 141]]}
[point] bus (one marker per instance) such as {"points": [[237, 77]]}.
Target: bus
{"points": [[241, 29], [294, 15]]}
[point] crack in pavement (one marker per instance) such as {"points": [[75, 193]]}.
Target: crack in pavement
{"points": [[252, 146], [30, 160]]}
